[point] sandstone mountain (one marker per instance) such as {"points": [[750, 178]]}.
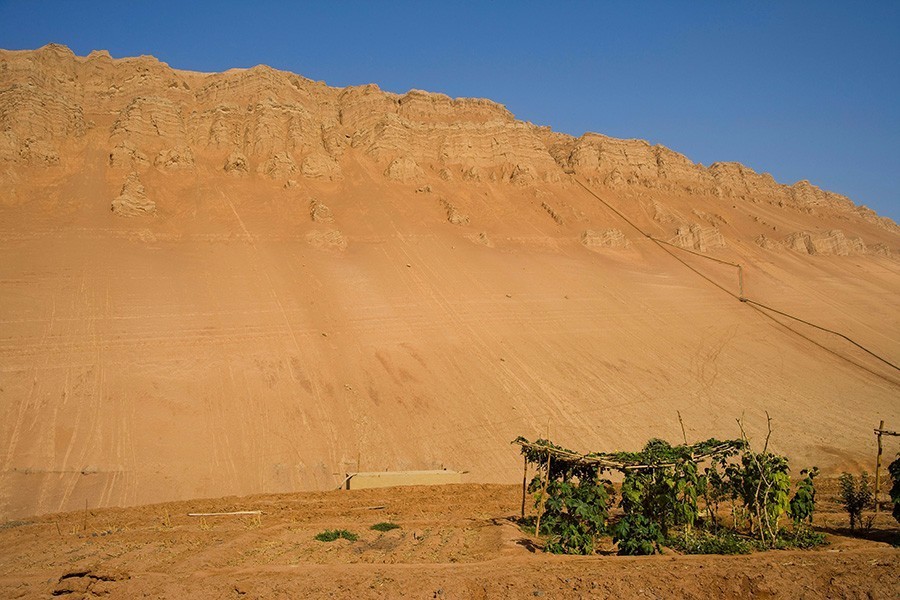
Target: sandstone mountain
{"points": [[249, 281]]}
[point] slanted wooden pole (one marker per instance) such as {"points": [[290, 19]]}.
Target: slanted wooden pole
{"points": [[878, 466], [524, 483]]}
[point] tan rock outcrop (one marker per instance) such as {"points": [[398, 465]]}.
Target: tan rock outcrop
{"points": [[132, 201], [321, 166], [330, 239], [150, 123], [126, 155], [278, 166], [830, 242], [763, 241], [236, 164], [181, 157], [319, 212], [604, 238], [697, 237], [453, 215], [404, 169], [34, 119]]}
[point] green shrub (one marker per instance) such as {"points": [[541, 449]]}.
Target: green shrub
{"points": [[894, 470], [636, 534], [803, 504], [763, 484], [384, 526], [329, 535], [714, 488], [574, 501], [662, 490], [856, 496]]}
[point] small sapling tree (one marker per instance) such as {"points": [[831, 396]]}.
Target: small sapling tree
{"points": [[763, 483], [856, 495], [714, 487], [803, 504]]}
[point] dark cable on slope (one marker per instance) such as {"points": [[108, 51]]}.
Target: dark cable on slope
{"points": [[837, 333], [740, 296]]}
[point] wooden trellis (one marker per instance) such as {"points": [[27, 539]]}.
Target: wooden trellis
{"points": [[611, 461]]}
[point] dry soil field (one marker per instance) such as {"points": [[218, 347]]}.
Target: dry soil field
{"points": [[457, 541]]}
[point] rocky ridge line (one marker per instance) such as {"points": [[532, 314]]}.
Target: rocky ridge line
{"points": [[280, 125]]}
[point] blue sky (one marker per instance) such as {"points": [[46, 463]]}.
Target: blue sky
{"points": [[802, 90]]}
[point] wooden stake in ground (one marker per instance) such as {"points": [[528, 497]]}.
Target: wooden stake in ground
{"points": [[537, 525], [878, 466], [524, 483]]}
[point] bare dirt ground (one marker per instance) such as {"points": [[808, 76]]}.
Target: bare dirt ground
{"points": [[453, 542]]}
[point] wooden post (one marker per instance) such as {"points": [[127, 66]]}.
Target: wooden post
{"points": [[524, 483], [741, 281], [878, 466], [537, 525]]}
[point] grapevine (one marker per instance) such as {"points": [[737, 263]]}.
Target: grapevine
{"points": [[661, 493]]}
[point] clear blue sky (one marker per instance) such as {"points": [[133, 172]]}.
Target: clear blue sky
{"points": [[802, 90]]}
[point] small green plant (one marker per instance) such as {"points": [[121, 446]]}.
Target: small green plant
{"points": [[856, 496], [384, 526], [329, 535], [894, 471], [803, 538], [635, 534], [803, 504], [714, 488], [698, 541]]}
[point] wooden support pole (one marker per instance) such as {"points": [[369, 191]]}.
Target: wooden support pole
{"points": [[878, 466], [524, 483], [537, 525]]}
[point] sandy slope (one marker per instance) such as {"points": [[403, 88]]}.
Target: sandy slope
{"points": [[228, 341]]}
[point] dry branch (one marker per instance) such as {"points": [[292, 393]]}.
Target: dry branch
{"points": [[223, 514]]}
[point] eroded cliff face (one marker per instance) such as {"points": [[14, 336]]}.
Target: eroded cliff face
{"points": [[261, 122], [249, 281]]}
